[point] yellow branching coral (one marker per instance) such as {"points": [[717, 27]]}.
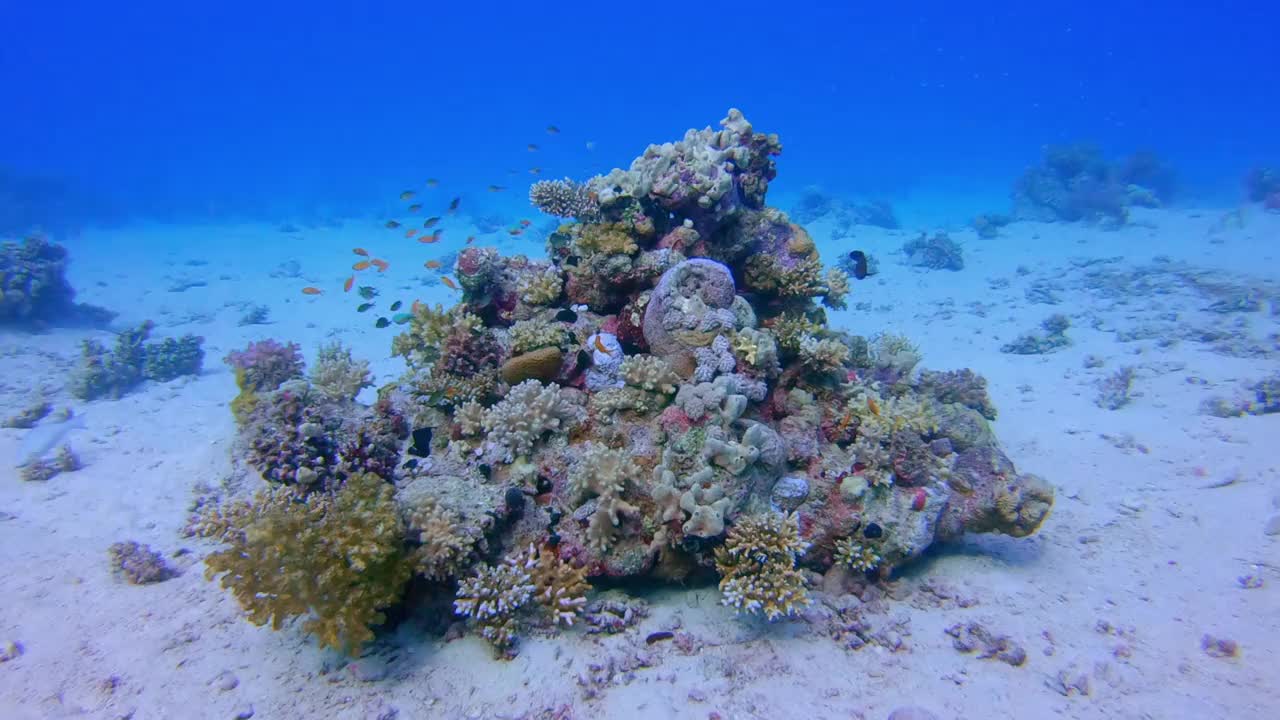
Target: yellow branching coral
{"points": [[791, 329], [856, 556], [559, 586], [540, 287], [429, 326], [287, 554], [529, 335], [824, 356], [757, 566]]}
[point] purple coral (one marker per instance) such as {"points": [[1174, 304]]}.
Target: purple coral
{"points": [[265, 365]]}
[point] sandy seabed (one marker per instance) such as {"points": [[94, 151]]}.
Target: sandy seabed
{"points": [[1158, 538]]}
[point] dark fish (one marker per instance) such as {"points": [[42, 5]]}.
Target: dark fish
{"points": [[454, 203], [553, 130], [396, 305], [364, 307], [401, 318], [872, 531], [392, 224], [658, 636], [415, 207], [567, 315], [421, 445], [368, 292], [410, 464], [532, 148], [584, 360], [382, 322], [859, 259], [572, 260], [430, 222], [496, 188]]}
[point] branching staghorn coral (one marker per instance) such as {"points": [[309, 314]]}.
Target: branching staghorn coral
{"points": [[429, 329], [757, 566], [337, 558], [336, 375], [564, 198], [491, 597], [444, 544], [541, 287], [823, 357], [559, 586]]}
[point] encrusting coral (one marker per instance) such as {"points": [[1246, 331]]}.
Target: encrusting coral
{"points": [[661, 394]]}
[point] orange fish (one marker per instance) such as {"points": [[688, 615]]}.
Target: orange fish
{"points": [[526, 223], [311, 291], [432, 264], [601, 346], [362, 265], [360, 251], [411, 232], [515, 231], [873, 406], [433, 237], [382, 265], [449, 282], [346, 286], [471, 239], [416, 306]]}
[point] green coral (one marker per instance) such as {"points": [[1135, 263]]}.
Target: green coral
{"points": [[336, 558], [606, 239], [429, 327], [791, 329], [527, 335], [757, 566], [765, 274]]}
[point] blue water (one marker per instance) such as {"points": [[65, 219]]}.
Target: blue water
{"points": [[285, 110]]}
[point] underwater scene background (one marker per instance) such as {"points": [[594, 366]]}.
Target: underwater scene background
{"points": [[662, 360]]}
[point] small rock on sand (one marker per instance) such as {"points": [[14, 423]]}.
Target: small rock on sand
{"points": [[912, 712]]}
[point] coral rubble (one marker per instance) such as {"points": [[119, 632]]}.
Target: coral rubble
{"points": [[661, 397]]}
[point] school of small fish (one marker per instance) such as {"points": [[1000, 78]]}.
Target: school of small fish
{"points": [[368, 293]]}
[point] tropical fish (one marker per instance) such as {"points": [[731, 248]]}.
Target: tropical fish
{"points": [[311, 291], [360, 251], [421, 445], [448, 281], [433, 237], [526, 223], [362, 265], [346, 286], [453, 204], [567, 315], [532, 147], [553, 130], [601, 346], [392, 224], [416, 307], [591, 145], [430, 222], [515, 231], [496, 188], [368, 292], [396, 305], [535, 171], [382, 265], [382, 322], [432, 264], [432, 182], [407, 195], [401, 318], [411, 232], [415, 207], [859, 259], [471, 239], [362, 307]]}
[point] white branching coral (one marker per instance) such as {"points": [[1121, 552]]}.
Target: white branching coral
{"points": [[600, 471], [564, 198], [491, 598], [823, 356], [650, 373], [559, 586], [528, 412], [541, 287], [444, 544], [757, 566], [470, 418]]}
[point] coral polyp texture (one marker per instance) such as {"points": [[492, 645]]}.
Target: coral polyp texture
{"points": [[659, 398]]}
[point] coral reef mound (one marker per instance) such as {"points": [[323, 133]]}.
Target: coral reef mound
{"points": [[660, 397]]}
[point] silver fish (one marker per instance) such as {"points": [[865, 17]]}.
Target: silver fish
{"points": [[44, 437]]}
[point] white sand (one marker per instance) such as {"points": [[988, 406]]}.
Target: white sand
{"points": [[1137, 563]]}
